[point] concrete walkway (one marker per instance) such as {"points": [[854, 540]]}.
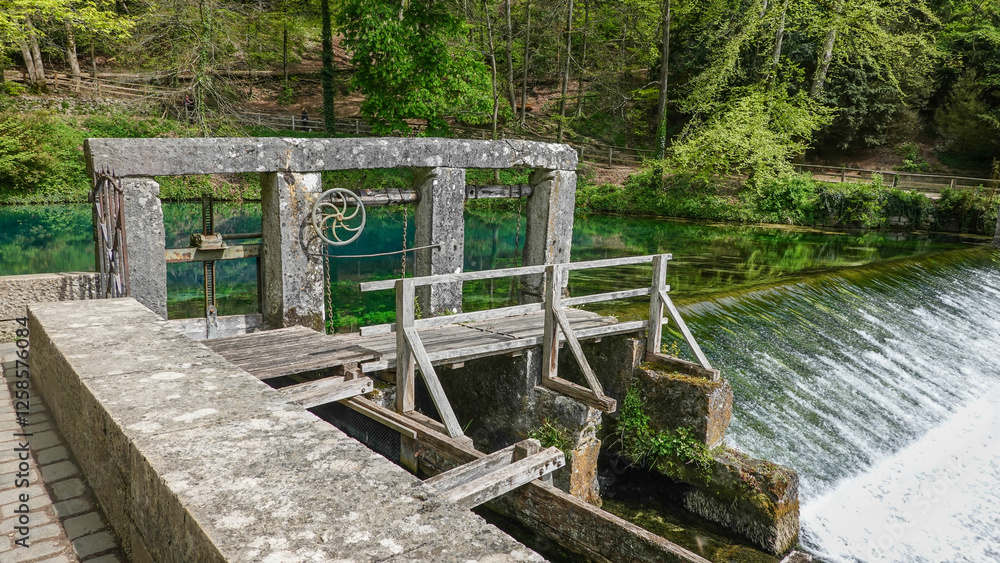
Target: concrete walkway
{"points": [[64, 524]]}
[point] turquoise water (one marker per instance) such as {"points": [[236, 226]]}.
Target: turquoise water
{"points": [[708, 258]]}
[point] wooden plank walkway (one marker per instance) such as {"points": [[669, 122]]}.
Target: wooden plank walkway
{"points": [[290, 351]]}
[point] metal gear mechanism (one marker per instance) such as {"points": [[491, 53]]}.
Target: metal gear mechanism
{"points": [[330, 214]]}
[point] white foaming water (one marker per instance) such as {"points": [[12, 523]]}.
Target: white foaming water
{"points": [[935, 500], [883, 392]]}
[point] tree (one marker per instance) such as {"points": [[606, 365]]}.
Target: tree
{"points": [[329, 89], [20, 19], [412, 61]]}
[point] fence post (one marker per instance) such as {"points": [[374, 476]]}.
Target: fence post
{"points": [[654, 330], [953, 182], [293, 122], [843, 174], [611, 157], [895, 180]]}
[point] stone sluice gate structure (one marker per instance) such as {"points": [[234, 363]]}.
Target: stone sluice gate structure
{"points": [[211, 439]]}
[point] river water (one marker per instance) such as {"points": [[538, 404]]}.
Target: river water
{"points": [[868, 362]]}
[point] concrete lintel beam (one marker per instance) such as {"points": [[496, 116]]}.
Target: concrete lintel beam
{"points": [[171, 157]]}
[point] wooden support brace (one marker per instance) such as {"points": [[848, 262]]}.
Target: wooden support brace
{"points": [[602, 403], [688, 337], [383, 416], [574, 346], [472, 470], [327, 390], [654, 330], [505, 479], [433, 384]]}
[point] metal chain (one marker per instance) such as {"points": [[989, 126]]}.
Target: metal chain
{"points": [[517, 232], [403, 260], [328, 292]]}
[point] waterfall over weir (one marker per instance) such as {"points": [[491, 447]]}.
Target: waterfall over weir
{"points": [[881, 386]]}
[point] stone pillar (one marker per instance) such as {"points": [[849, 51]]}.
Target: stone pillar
{"points": [[440, 220], [549, 231], [293, 280], [146, 241]]}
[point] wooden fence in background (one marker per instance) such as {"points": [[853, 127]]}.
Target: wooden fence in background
{"points": [[932, 183]]}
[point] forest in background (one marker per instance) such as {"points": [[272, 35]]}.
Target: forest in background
{"points": [[718, 88]]}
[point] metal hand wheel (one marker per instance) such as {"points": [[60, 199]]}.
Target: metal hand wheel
{"points": [[330, 215]]}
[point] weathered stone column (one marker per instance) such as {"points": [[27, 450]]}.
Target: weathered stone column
{"points": [[440, 220], [146, 242], [549, 231], [293, 280]]}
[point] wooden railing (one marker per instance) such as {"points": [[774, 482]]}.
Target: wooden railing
{"points": [[410, 351], [909, 180]]}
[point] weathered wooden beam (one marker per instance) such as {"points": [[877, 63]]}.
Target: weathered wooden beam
{"points": [[384, 416], [684, 366], [499, 313], [550, 329], [492, 191], [433, 383], [327, 390], [234, 252], [574, 524], [601, 297], [405, 368], [581, 360], [493, 484], [654, 333], [508, 272], [602, 403], [472, 470], [688, 337]]}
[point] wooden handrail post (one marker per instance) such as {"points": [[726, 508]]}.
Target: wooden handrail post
{"points": [[654, 331], [550, 336], [405, 390]]}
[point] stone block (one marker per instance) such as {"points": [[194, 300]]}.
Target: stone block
{"points": [[440, 220], [20, 290], [146, 243], [292, 278], [674, 400], [753, 497], [171, 157], [549, 228]]}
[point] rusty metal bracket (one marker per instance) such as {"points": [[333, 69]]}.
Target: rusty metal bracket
{"points": [[108, 199]]}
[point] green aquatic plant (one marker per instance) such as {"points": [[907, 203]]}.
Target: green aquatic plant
{"points": [[675, 452]]}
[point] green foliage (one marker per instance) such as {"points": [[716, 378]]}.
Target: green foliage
{"points": [[670, 452], [41, 159], [756, 133], [912, 161], [967, 123], [411, 62], [970, 211], [550, 434]]}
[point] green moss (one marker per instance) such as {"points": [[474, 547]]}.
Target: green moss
{"points": [[552, 435]]}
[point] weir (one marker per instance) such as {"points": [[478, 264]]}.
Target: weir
{"points": [[487, 379]]}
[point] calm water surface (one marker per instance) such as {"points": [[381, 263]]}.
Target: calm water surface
{"points": [[707, 258]]}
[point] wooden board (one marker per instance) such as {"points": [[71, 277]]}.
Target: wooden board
{"points": [[289, 351]]}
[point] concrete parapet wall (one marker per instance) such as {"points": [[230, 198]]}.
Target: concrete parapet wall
{"points": [[16, 292], [196, 460]]}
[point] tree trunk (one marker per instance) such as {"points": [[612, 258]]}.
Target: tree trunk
{"points": [[36, 55], [329, 93], [583, 59], [510, 61], [284, 51], [493, 78], [824, 67], [74, 63], [778, 37], [29, 63], [565, 81], [524, 77], [93, 59], [661, 106]]}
